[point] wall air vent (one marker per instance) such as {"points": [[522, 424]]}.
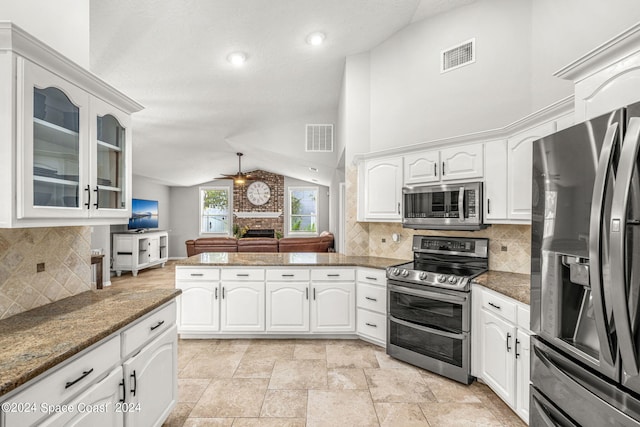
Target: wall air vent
{"points": [[319, 138], [458, 56]]}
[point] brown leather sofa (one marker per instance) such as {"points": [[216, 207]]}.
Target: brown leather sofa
{"points": [[322, 243]]}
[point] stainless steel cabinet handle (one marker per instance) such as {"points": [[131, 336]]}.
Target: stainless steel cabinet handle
{"points": [[333, 275], [398, 207], [488, 206], [371, 278], [223, 292], [314, 294], [443, 168], [81, 377], [435, 169], [371, 324], [216, 293], [508, 338], [497, 307], [242, 275], [307, 292], [371, 299], [287, 275], [197, 274]]}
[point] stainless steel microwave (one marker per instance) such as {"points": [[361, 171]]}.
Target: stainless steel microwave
{"points": [[443, 207]]}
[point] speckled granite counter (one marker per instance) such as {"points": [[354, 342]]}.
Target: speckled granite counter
{"points": [[37, 340], [293, 259], [513, 285]]}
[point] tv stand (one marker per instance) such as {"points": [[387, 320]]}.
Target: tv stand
{"points": [[139, 250]]}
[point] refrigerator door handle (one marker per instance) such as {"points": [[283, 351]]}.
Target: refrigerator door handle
{"points": [[548, 422], [617, 237], [595, 243]]}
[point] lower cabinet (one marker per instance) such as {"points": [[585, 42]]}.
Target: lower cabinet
{"points": [[198, 305], [288, 307], [501, 347], [130, 379], [333, 308], [371, 297], [242, 306], [151, 381]]}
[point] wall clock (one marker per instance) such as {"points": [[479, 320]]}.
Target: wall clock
{"points": [[258, 193]]}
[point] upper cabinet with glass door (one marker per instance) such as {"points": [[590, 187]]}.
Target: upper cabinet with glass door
{"points": [[65, 139]]}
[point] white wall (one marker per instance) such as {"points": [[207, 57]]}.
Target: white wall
{"points": [[565, 30], [354, 107], [412, 102], [62, 24]]}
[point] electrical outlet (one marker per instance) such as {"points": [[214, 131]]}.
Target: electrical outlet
{"points": [[40, 267], [503, 248]]}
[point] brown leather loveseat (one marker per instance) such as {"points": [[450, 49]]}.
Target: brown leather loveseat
{"points": [[321, 243]]}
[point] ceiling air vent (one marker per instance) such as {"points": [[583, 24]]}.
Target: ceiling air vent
{"points": [[458, 56], [319, 138]]}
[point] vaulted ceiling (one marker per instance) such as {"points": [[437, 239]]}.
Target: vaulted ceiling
{"points": [[171, 56]]}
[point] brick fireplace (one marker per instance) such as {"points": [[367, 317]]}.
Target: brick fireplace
{"points": [[275, 203]]}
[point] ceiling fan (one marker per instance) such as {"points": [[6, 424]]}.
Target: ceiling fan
{"points": [[239, 177]]}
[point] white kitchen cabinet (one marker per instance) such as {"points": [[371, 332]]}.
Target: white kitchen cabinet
{"points": [[371, 301], [495, 181], [501, 349], [98, 406], [464, 162], [422, 167], [199, 303], [151, 381], [71, 163], [287, 306], [242, 306], [447, 164], [519, 182], [333, 305], [380, 189], [135, 251]]}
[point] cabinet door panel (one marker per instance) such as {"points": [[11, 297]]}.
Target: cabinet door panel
{"points": [[523, 358], [151, 381], [462, 162], [421, 167], [95, 407], [198, 307], [242, 306], [53, 144], [519, 180], [497, 364], [495, 183], [333, 308], [383, 189], [288, 307]]}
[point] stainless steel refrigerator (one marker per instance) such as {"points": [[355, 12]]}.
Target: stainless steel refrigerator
{"points": [[585, 274]]}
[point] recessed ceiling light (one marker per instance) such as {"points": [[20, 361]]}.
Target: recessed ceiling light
{"points": [[237, 58], [315, 39]]}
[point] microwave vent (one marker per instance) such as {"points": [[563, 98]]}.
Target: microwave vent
{"points": [[319, 138], [458, 56]]}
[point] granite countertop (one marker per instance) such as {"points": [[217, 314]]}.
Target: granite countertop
{"points": [[37, 340], [513, 285], [292, 259]]}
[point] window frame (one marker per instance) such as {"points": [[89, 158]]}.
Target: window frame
{"points": [[229, 215], [294, 233]]}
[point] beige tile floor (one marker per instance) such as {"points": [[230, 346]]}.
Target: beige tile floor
{"points": [[314, 382]]}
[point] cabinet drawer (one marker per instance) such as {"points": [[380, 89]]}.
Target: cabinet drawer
{"points": [[289, 275], [373, 325], [370, 275], [500, 305], [188, 273], [59, 386], [333, 274], [148, 328], [524, 318], [242, 274], [372, 297]]}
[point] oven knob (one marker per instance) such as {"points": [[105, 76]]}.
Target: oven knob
{"points": [[395, 271], [422, 275], [442, 278], [404, 273], [453, 279]]}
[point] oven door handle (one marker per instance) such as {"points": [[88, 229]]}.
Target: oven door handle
{"points": [[460, 336], [428, 294]]}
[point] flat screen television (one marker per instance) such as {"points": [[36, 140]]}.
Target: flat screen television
{"points": [[144, 214]]}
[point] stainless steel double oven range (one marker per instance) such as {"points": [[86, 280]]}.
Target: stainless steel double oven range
{"points": [[429, 304]]}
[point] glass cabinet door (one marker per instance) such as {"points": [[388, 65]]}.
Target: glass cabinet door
{"points": [[53, 144], [110, 161]]}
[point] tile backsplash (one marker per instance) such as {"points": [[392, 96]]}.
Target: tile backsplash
{"points": [[66, 255]]}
